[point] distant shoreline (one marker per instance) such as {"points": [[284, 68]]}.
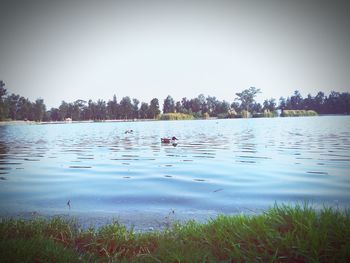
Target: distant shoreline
{"points": [[21, 122], [68, 122]]}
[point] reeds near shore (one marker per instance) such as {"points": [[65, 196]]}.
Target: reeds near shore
{"points": [[298, 113], [176, 116], [281, 234]]}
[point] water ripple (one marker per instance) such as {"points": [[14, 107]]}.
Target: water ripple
{"points": [[220, 166]]}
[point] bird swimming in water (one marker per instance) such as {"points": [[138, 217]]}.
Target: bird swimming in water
{"points": [[169, 140]]}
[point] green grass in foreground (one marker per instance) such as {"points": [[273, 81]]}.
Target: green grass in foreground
{"points": [[282, 234]]}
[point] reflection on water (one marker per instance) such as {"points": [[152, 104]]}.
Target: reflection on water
{"points": [[223, 166]]}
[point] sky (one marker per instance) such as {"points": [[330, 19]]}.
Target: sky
{"points": [[69, 50]]}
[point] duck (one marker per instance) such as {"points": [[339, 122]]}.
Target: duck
{"points": [[169, 140], [128, 131]]}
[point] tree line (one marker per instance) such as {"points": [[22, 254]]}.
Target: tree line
{"points": [[16, 107]]}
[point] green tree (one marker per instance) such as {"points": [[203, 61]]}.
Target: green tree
{"points": [[212, 104], [54, 114], [90, 111], [282, 103], [309, 103], [235, 106], [185, 104], [203, 103], [179, 108], [296, 101], [269, 105], [77, 109], [135, 108], [112, 108], [39, 110], [222, 108], [169, 105], [3, 102], [195, 105], [246, 97], [63, 111], [25, 111], [144, 110], [154, 108], [2, 89], [320, 102], [256, 107], [101, 110], [344, 103], [13, 106], [126, 108]]}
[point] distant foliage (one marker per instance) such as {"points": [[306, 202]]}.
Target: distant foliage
{"points": [[335, 103], [154, 111], [246, 97], [169, 105], [16, 107]]}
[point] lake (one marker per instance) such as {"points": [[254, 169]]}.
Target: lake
{"points": [[218, 166]]}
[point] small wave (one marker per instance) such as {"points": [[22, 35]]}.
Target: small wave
{"points": [[317, 172]]}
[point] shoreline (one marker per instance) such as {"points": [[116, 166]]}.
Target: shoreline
{"points": [[21, 122], [156, 219], [139, 220], [280, 234]]}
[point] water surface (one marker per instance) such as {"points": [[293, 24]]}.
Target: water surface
{"points": [[218, 166]]}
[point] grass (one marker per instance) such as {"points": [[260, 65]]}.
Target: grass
{"points": [[176, 116], [297, 113], [281, 234]]}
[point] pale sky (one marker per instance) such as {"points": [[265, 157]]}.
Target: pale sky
{"points": [[69, 50]]}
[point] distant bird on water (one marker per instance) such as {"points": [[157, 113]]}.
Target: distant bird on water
{"points": [[169, 140], [68, 203]]}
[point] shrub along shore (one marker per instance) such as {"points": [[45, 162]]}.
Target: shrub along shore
{"points": [[281, 234], [298, 113], [176, 116]]}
